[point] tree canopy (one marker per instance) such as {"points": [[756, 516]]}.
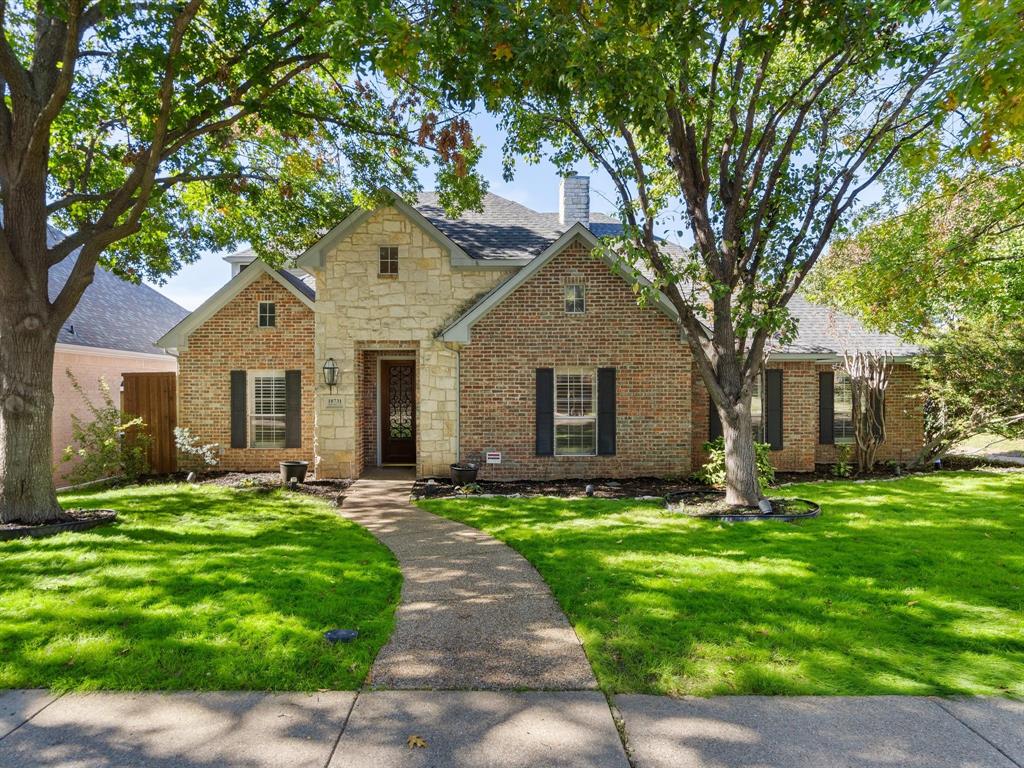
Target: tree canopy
{"points": [[748, 130]]}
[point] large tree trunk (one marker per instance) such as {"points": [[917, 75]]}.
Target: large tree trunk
{"points": [[741, 485], [26, 411]]}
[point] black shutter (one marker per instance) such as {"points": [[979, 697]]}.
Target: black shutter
{"points": [[545, 411], [773, 408], [293, 409], [826, 407], [714, 421], [605, 411], [238, 409]]}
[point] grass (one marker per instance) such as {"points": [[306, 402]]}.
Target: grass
{"points": [[988, 444], [913, 586], [196, 587]]}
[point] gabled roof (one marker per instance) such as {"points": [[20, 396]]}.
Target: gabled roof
{"points": [[112, 313], [313, 257], [177, 337], [459, 331]]}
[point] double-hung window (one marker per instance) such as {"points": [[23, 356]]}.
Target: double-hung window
{"points": [[268, 412], [575, 412], [842, 408]]}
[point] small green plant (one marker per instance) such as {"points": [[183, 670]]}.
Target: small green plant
{"points": [[192, 453], [713, 471], [469, 489], [100, 448], [843, 466]]}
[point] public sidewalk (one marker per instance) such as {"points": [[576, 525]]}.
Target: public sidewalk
{"points": [[463, 729]]}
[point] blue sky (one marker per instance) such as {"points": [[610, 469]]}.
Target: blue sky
{"points": [[535, 186]]}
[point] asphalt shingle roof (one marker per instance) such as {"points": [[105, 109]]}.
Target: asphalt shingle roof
{"points": [[113, 313], [822, 330], [505, 229]]}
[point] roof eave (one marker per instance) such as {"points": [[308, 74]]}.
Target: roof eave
{"points": [[177, 337]]}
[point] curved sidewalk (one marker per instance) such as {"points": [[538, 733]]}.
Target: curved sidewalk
{"points": [[474, 613]]}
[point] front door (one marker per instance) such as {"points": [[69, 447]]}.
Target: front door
{"points": [[398, 411]]}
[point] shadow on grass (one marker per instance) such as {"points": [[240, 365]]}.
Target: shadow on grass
{"points": [[195, 588], [908, 587]]}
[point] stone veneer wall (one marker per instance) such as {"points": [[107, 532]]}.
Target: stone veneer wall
{"points": [[800, 447], [530, 329], [232, 340], [360, 311]]}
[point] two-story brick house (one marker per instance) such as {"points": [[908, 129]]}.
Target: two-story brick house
{"points": [[498, 335]]}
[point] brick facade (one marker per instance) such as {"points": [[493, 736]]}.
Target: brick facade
{"points": [[480, 396], [801, 450], [232, 340], [530, 329]]}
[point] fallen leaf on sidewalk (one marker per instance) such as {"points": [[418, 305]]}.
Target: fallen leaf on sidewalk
{"points": [[416, 742]]}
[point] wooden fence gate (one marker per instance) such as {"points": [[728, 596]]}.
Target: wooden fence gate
{"points": [[154, 397]]}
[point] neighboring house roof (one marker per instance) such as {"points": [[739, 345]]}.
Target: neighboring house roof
{"points": [[113, 313], [177, 337]]}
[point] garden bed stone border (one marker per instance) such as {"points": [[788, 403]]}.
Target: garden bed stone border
{"points": [[100, 517]]}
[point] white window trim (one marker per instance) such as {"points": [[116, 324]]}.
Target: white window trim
{"points": [[259, 314], [836, 439], [583, 298], [565, 420], [251, 409]]}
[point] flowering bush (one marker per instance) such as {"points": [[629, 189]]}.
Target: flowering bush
{"points": [[188, 446]]}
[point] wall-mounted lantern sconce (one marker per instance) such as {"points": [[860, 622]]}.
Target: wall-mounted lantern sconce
{"points": [[330, 373]]}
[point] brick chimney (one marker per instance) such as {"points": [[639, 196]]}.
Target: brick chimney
{"points": [[574, 200]]}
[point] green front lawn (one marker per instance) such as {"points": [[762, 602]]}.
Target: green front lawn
{"points": [[197, 587], [908, 587]]}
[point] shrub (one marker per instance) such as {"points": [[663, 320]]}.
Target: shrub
{"points": [[100, 446], [843, 467], [200, 456], [713, 471]]}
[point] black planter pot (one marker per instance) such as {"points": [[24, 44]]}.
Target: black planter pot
{"points": [[293, 470], [463, 473]]}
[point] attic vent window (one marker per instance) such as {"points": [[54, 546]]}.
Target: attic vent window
{"points": [[575, 299], [388, 260], [268, 314]]}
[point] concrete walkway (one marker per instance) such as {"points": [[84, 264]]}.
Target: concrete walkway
{"points": [[474, 613], [485, 729]]}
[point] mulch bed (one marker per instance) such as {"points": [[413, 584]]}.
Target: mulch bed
{"points": [[70, 520], [710, 505], [332, 490], [633, 488]]}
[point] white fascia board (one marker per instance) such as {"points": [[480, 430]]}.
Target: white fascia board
{"points": [[80, 349], [822, 357], [177, 337]]}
